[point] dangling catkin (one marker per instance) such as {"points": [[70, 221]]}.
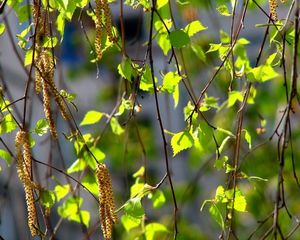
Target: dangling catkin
{"points": [[47, 71], [24, 171], [273, 9], [108, 23], [107, 205], [98, 28]]}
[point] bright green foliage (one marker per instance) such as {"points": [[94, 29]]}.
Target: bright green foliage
{"points": [[179, 38], [115, 126], [41, 127], [158, 198], [70, 209], [90, 182], [7, 124], [5, 156], [170, 81], [181, 141], [91, 117], [130, 222], [47, 198], [2, 28], [61, 191], [28, 57], [154, 228], [193, 28]]}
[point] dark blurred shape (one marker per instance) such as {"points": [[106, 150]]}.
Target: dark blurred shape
{"points": [[133, 26]]}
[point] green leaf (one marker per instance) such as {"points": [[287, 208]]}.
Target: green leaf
{"points": [[217, 215], [115, 126], [170, 81], [194, 27], [233, 97], [28, 57], [47, 198], [91, 117], [23, 13], [130, 222], [125, 69], [240, 203], [89, 181], [179, 38], [161, 3], [60, 23], [197, 49], [262, 73], [61, 191], [181, 141], [70, 207], [248, 138], [7, 124], [5, 156], [134, 208], [77, 166], [214, 47], [164, 43], [81, 217], [41, 127], [2, 28], [152, 229], [158, 199], [176, 96], [146, 83], [49, 42], [139, 173]]}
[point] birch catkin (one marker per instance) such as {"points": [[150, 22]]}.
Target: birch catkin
{"points": [[273, 9], [107, 206], [24, 163], [98, 28]]}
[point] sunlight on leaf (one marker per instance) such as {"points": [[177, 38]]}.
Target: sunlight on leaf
{"points": [[91, 117], [181, 141]]}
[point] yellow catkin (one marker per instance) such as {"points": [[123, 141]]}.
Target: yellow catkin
{"points": [[108, 22], [47, 71], [24, 163], [106, 201], [98, 28], [273, 9]]}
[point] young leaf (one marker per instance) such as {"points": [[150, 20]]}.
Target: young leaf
{"points": [[41, 127], [248, 138], [164, 43], [217, 215], [91, 117], [115, 126], [47, 198], [194, 27], [158, 199], [179, 38], [2, 28], [130, 222], [161, 3], [7, 124], [170, 81], [5, 156], [82, 216], [61, 191], [89, 181], [77, 166], [181, 141], [125, 69], [134, 208], [152, 229]]}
